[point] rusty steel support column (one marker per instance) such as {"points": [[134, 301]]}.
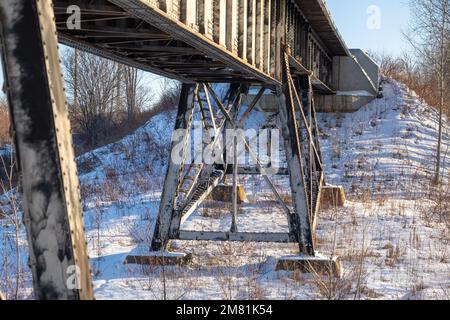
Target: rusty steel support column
{"points": [[280, 38], [41, 128], [235, 165], [300, 223], [180, 142]]}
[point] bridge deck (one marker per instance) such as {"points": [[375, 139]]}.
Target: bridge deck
{"points": [[207, 40]]}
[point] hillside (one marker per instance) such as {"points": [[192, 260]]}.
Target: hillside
{"points": [[388, 145], [392, 235]]}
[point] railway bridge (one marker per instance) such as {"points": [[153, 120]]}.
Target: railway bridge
{"points": [[283, 56]]}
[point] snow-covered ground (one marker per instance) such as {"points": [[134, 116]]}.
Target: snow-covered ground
{"points": [[389, 235], [390, 144]]}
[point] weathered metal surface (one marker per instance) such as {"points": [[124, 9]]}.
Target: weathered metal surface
{"points": [[320, 20], [199, 194], [257, 171], [299, 129], [224, 193], [159, 258], [236, 236], [175, 213], [170, 190], [299, 155], [185, 33], [51, 197]]}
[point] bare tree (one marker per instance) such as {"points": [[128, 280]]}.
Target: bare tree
{"points": [[105, 95], [169, 95], [136, 96], [429, 34], [93, 81], [390, 66]]}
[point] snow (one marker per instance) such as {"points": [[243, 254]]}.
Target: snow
{"points": [[359, 93], [389, 144], [390, 246], [5, 151]]}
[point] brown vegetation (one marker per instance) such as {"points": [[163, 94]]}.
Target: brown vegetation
{"points": [[4, 122]]}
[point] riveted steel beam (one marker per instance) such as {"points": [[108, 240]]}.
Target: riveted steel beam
{"points": [[50, 190]]}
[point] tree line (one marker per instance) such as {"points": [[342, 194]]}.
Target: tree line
{"points": [[104, 97], [426, 69]]}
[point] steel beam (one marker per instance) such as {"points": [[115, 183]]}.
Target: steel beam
{"points": [[232, 25], [251, 32], [109, 54], [299, 223], [237, 236], [243, 34], [186, 214], [257, 171], [217, 50], [51, 199], [267, 35], [169, 195], [259, 39]]}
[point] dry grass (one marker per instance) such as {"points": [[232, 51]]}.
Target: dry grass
{"points": [[4, 123], [437, 209], [12, 268]]}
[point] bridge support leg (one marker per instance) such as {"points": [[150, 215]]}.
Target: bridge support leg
{"points": [[188, 184], [167, 212], [51, 199], [180, 142], [299, 220], [304, 161]]}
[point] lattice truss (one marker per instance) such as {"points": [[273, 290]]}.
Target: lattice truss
{"points": [[187, 185]]}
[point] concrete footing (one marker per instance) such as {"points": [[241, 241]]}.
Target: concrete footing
{"points": [[307, 264], [223, 193], [332, 197], [157, 258]]}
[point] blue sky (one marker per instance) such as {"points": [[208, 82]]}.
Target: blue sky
{"points": [[386, 19], [353, 16]]}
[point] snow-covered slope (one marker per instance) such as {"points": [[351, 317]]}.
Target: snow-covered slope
{"points": [[144, 151], [388, 145]]}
